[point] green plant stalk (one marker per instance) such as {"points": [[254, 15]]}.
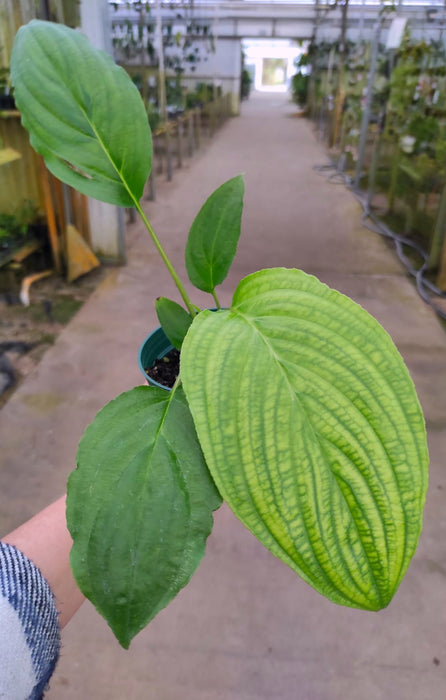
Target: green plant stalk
{"points": [[217, 302], [153, 236], [184, 295]]}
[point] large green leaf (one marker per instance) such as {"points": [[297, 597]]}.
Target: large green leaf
{"points": [[312, 430], [83, 113], [214, 234], [139, 507]]}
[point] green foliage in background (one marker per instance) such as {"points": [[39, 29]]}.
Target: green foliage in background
{"points": [[299, 88]]}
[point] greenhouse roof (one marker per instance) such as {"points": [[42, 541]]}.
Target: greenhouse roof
{"points": [[322, 4], [297, 19]]}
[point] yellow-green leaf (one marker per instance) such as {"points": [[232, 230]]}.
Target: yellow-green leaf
{"points": [[312, 430]]}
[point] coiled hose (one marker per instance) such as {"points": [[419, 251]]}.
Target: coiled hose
{"points": [[426, 289]]}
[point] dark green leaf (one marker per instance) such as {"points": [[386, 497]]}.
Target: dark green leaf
{"points": [[214, 235], [311, 428], [174, 319], [83, 113], [139, 507]]}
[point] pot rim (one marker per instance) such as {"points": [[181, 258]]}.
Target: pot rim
{"points": [[147, 339]]}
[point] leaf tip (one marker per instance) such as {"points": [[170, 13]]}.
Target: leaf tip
{"points": [[122, 635]]}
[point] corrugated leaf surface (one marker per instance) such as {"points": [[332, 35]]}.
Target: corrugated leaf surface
{"points": [[312, 430]]}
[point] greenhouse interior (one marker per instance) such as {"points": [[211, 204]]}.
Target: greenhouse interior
{"points": [[223, 349]]}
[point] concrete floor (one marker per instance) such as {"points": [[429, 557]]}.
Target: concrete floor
{"points": [[245, 628]]}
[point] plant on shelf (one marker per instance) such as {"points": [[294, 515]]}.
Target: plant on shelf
{"points": [[191, 100], [6, 99], [299, 88], [186, 43], [292, 405], [300, 80], [153, 116], [4, 80], [15, 227], [245, 84]]}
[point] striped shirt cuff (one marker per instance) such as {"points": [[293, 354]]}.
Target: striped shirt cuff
{"points": [[29, 628]]}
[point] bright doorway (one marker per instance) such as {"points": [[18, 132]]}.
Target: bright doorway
{"points": [[271, 62]]}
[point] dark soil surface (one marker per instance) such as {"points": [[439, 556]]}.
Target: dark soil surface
{"points": [[166, 369], [26, 332]]}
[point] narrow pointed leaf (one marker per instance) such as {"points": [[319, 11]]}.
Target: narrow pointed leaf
{"points": [[312, 430], [213, 237], [83, 113], [174, 319], [139, 507]]}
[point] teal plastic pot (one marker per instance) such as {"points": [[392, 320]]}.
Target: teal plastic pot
{"points": [[154, 347]]}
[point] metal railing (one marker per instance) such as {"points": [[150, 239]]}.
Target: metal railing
{"points": [[180, 138]]}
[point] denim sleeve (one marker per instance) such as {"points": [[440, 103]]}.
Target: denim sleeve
{"points": [[29, 628]]}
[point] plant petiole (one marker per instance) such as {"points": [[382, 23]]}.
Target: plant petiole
{"points": [[190, 307], [217, 303]]}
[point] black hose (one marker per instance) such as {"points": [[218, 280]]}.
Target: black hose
{"points": [[424, 286]]}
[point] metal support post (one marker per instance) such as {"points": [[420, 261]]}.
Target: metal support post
{"points": [[179, 128], [190, 129], [438, 240], [168, 142], [368, 103]]}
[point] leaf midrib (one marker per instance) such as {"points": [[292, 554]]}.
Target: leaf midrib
{"points": [[97, 136], [214, 243], [149, 457], [395, 396], [295, 397], [119, 172], [92, 126]]}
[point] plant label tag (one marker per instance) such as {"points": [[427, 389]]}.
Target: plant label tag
{"points": [[396, 31]]}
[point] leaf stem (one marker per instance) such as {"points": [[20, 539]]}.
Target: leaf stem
{"points": [[217, 303], [177, 383], [168, 264]]}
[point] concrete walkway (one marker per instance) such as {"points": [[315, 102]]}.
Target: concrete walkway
{"points": [[246, 627]]}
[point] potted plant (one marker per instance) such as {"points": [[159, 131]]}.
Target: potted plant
{"points": [[18, 228], [293, 405], [6, 99]]}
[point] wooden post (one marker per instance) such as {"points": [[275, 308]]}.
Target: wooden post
{"points": [[85, 218], [50, 216], [211, 118], [394, 171], [438, 240], [190, 125], [179, 130], [151, 182], [337, 115], [157, 143], [197, 124], [152, 193], [131, 211], [161, 72], [60, 211], [441, 279], [168, 142]]}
